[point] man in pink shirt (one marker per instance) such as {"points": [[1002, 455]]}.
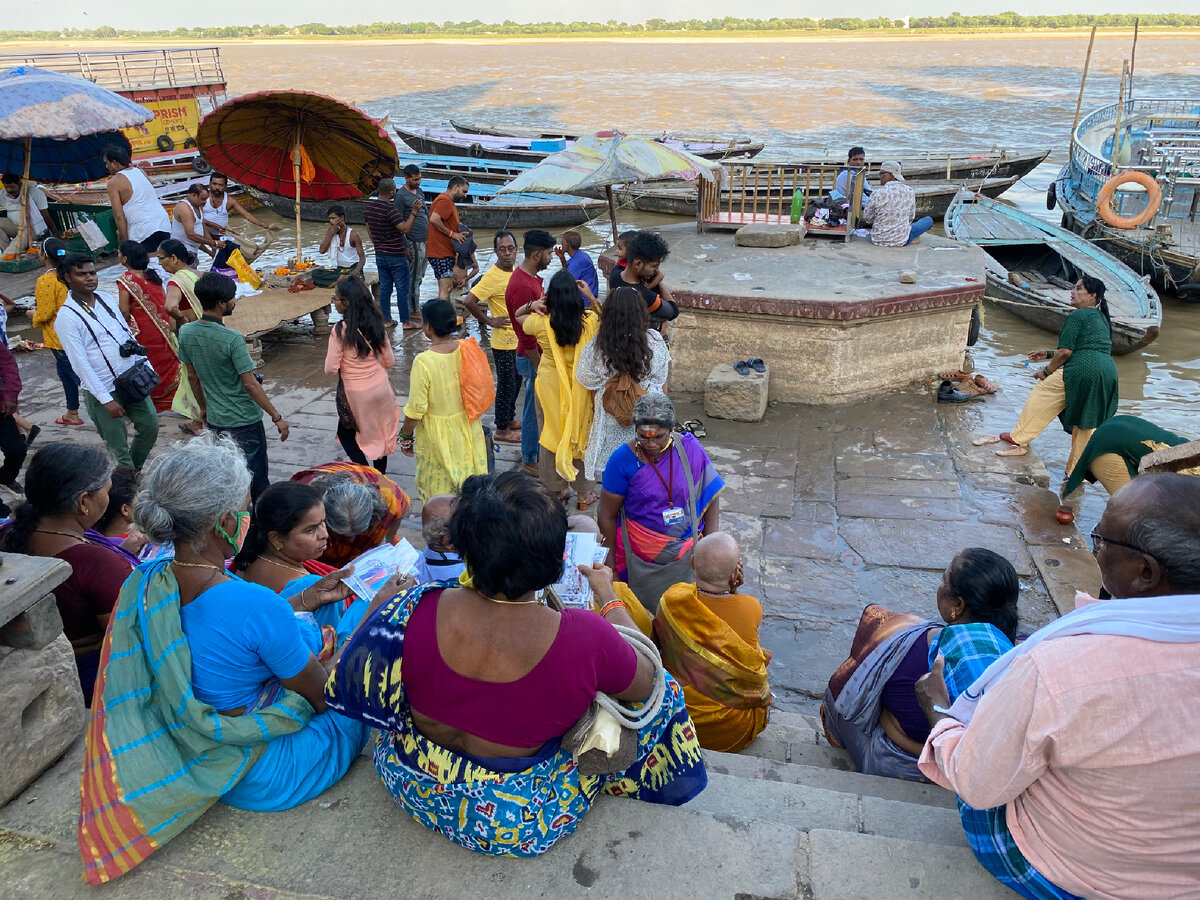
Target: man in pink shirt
{"points": [[1081, 762]]}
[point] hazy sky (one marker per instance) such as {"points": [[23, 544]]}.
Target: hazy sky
{"points": [[145, 14]]}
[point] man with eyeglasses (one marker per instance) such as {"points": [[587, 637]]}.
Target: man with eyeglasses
{"points": [[1078, 752]]}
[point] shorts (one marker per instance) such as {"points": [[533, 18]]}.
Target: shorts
{"points": [[442, 266]]}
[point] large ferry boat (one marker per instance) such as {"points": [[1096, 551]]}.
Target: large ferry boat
{"points": [[1132, 185]]}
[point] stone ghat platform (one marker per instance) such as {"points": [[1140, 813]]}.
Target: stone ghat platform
{"points": [[832, 320]]}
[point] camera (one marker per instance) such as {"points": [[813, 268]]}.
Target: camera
{"points": [[131, 348]]}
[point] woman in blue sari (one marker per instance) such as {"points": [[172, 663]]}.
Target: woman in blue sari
{"points": [[473, 722], [287, 536]]}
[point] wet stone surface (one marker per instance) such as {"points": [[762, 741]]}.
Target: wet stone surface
{"points": [[834, 507]]}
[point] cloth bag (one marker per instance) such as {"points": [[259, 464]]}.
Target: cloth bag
{"points": [[475, 379], [621, 392], [649, 580]]}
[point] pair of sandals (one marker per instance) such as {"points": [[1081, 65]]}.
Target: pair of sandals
{"points": [[692, 426], [1014, 449], [744, 367]]}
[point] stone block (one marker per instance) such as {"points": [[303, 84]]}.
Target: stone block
{"points": [[41, 711], [728, 395], [908, 277], [768, 235], [34, 628]]}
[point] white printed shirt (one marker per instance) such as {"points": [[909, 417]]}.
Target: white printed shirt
{"points": [[891, 209]]}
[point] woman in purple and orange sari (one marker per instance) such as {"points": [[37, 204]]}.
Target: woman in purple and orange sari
{"points": [[661, 493]]}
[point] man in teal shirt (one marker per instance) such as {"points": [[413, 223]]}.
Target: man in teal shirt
{"points": [[222, 374]]}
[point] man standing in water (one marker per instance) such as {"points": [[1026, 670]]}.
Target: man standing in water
{"points": [[408, 199], [525, 287], [137, 211], [443, 231]]}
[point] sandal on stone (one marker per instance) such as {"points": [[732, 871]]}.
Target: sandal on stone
{"points": [[741, 367], [1013, 451], [583, 501], [63, 420], [757, 364], [986, 439]]}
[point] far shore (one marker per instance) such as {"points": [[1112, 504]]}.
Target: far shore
{"points": [[790, 37]]}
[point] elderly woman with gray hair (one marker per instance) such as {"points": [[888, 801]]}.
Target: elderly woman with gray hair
{"points": [[363, 508], [661, 494], [207, 689]]}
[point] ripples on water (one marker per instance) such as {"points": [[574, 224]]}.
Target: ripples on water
{"points": [[798, 97]]}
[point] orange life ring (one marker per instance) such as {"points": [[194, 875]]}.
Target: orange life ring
{"points": [[1104, 201]]}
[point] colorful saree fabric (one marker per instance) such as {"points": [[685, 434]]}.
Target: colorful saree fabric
{"points": [[854, 697], [724, 677], [156, 757], [152, 328], [481, 804], [343, 550]]}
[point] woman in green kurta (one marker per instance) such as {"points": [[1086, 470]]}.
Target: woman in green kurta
{"points": [[1078, 384], [1115, 450]]}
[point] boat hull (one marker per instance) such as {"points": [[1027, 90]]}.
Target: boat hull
{"points": [[1032, 265], [491, 216], [428, 144]]}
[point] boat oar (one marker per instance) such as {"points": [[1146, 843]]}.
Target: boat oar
{"points": [[1079, 103]]}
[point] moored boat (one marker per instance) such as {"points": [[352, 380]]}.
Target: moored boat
{"points": [[483, 209], [1132, 185], [748, 146], [476, 171], [1032, 265], [527, 149]]}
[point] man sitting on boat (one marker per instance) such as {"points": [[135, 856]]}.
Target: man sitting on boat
{"points": [[345, 247], [892, 208], [856, 161], [217, 210]]}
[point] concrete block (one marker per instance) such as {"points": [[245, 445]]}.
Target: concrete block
{"points": [[769, 235], [34, 628], [41, 711], [846, 866], [742, 398]]}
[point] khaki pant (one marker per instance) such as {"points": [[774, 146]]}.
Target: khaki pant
{"points": [[8, 228], [1110, 470], [555, 482], [1047, 399]]}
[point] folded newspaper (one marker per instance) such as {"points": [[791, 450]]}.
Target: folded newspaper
{"points": [[376, 566]]}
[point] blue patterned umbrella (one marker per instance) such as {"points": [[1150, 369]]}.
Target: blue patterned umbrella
{"points": [[58, 162]]}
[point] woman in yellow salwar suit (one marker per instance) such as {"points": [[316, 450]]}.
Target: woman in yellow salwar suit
{"points": [[708, 634], [563, 326]]}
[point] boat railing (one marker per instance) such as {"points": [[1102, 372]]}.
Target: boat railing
{"points": [[761, 192], [131, 70]]}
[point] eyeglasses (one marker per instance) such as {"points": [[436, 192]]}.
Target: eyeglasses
{"points": [[1099, 540]]}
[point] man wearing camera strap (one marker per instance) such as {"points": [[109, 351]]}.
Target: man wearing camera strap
{"points": [[103, 352]]}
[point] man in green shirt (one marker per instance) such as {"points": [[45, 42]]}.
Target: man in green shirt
{"points": [[222, 374]]}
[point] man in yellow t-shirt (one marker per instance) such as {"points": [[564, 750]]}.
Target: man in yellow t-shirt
{"points": [[489, 292]]}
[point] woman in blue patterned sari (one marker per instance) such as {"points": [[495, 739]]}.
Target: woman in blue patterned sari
{"points": [[474, 684]]}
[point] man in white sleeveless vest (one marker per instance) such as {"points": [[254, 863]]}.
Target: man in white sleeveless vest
{"points": [[138, 212], [216, 219]]}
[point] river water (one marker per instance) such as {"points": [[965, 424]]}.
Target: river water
{"points": [[799, 97]]}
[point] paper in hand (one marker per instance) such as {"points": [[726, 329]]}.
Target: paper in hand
{"points": [[375, 567], [572, 589]]}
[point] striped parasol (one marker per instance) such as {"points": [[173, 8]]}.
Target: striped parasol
{"points": [[298, 144]]}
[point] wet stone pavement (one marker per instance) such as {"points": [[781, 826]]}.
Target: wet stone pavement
{"points": [[834, 507]]}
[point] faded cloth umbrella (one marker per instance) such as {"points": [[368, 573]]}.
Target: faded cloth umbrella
{"points": [[299, 144], [54, 126], [607, 158]]}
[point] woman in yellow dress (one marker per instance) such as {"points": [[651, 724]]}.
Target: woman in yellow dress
{"points": [[449, 447], [563, 326]]}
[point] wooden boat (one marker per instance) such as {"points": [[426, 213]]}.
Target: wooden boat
{"points": [[1158, 138], [484, 208], [960, 167], [679, 199], [476, 171], [1032, 265], [751, 148], [520, 149]]}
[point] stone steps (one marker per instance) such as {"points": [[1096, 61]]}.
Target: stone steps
{"points": [[763, 830], [800, 739]]}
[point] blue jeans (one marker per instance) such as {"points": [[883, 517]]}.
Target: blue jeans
{"points": [[394, 272], [529, 426], [70, 381], [919, 227]]}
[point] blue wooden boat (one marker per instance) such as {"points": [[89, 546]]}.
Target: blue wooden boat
{"points": [[476, 171], [1155, 138], [1032, 265]]}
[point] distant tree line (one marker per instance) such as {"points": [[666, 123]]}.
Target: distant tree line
{"points": [[952, 22]]}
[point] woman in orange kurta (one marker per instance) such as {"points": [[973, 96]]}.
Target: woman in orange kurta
{"points": [[360, 355]]}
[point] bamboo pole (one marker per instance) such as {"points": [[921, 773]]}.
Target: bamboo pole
{"points": [[296, 178], [1082, 81], [1117, 121], [612, 211], [24, 225], [1133, 55]]}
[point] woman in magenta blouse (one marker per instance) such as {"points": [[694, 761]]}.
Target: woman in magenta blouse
{"points": [[492, 679]]}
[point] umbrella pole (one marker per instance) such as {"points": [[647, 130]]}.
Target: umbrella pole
{"points": [[296, 177], [23, 222], [612, 211]]}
